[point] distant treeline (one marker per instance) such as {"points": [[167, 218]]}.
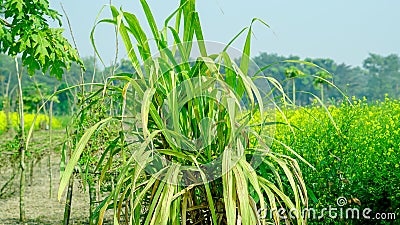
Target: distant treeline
{"points": [[378, 75]]}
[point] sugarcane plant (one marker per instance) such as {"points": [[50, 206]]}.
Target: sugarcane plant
{"points": [[189, 142]]}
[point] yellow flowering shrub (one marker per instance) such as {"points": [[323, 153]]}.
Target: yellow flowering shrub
{"points": [[3, 122], [355, 149], [14, 118]]}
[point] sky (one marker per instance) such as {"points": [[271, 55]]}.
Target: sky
{"points": [[344, 30]]}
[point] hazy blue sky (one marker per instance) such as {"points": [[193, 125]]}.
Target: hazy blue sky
{"points": [[345, 30]]}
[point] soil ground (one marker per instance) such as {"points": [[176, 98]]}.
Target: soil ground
{"points": [[40, 208]]}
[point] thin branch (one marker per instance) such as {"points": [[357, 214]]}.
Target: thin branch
{"points": [[75, 45], [6, 23]]}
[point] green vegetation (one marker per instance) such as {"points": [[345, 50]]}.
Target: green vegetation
{"points": [[378, 76], [178, 134], [24, 30], [181, 152], [41, 122], [356, 157]]}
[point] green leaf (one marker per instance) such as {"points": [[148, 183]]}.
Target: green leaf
{"points": [[1, 31], [139, 34], [152, 23], [199, 34], [76, 155], [32, 65], [57, 69], [40, 45]]}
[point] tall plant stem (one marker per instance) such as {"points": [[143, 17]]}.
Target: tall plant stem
{"points": [[92, 199], [322, 92], [21, 149], [67, 210], [50, 144], [294, 92], [68, 204], [76, 47]]}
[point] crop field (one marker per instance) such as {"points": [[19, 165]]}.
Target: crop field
{"points": [[354, 153], [185, 130], [352, 148]]}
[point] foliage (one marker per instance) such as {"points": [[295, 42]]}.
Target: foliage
{"points": [[384, 72], [24, 29], [91, 111], [66, 100], [359, 161], [321, 78], [293, 72], [378, 76], [354, 81], [189, 161], [40, 120]]}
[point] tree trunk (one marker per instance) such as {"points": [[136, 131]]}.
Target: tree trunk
{"points": [[50, 146], [294, 92], [21, 150], [322, 92]]}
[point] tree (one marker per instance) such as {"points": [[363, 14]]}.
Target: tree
{"points": [[351, 80], [384, 72], [320, 79], [24, 29], [25, 32], [292, 73]]}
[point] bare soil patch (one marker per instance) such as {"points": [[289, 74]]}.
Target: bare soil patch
{"points": [[40, 207]]}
